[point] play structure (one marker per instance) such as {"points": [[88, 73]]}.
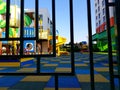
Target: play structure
{"points": [[101, 40], [59, 42], [13, 47]]}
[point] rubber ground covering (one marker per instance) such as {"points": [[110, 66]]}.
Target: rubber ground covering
{"points": [[80, 81]]}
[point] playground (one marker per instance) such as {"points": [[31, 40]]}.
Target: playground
{"points": [[44, 45], [80, 81]]}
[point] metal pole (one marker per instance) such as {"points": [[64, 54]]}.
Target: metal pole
{"points": [[90, 45], [109, 46], [72, 37], [54, 27], [117, 28]]}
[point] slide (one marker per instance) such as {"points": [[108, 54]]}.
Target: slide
{"points": [[59, 41]]}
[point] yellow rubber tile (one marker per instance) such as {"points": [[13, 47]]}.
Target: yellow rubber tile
{"points": [[63, 70], [103, 69], [26, 59], [77, 65], [83, 78], [36, 78], [9, 64], [50, 65], [108, 64], [86, 78], [27, 70]]}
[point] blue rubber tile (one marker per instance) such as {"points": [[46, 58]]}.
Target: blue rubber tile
{"points": [[47, 69], [99, 65], [84, 71], [79, 62], [8, 70], [8, 81], [64, 82], [116, 81], [27, 62], [64, 65], [31, 66], [53, 62]]}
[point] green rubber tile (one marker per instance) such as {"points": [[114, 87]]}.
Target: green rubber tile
{"points": [[65, 62], [2, 68], [49, 88], [70, 89], [28, 86], [98, 86], [3, 88], [63, 89]]}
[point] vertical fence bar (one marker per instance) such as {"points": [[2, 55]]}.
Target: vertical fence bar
{"points": [[7, 18], [72, 36], [56, 82], [38, 64], [37, 30], [117, 15], [54, 27], [109, 47], [21, 26], [90, 44], [36, 18]]}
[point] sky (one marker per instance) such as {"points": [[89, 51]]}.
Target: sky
{"points": [[63, 17]]}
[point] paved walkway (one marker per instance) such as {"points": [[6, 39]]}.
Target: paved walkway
{"points": [[81, 81]]}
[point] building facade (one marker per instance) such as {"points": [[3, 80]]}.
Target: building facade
{"points": [[100, 16]]}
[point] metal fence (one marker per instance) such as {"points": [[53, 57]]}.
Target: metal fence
{"points": [[115, 4]]}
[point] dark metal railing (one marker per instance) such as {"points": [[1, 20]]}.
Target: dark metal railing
{"points": [[109, 45], [38, 57]]}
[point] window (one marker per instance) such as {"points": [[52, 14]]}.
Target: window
{"points": [[96, 24], [98, 1], [104, 19], [96, 17], [99, 15], [41, 19], [103, 3], [48, 20], [95, 4], [98, 8], [96, 11], [99, 23], [103, 11]]}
